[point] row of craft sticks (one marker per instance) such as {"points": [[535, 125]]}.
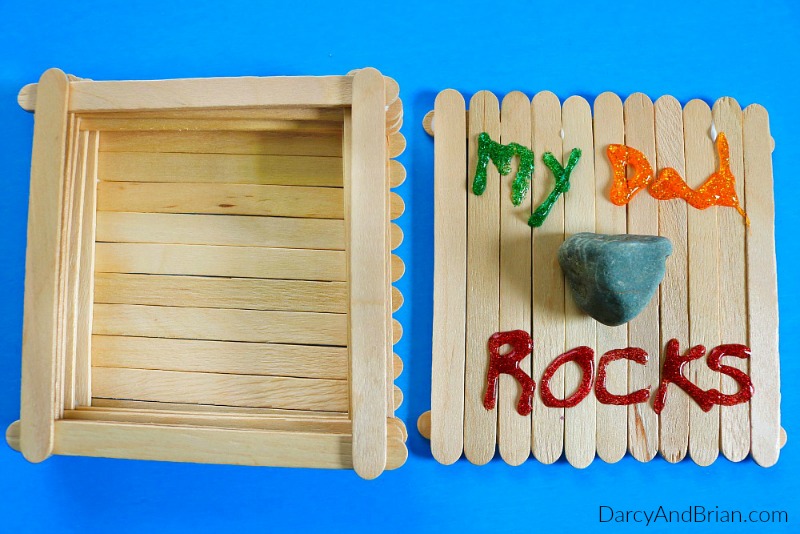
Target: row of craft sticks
{"points": [[703, 299]]}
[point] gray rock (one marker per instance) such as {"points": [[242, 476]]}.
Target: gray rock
{"points": [[613, 277]]}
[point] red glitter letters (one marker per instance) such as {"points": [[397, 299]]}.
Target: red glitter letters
{"points": [[521, 345], [673, 373], [584, 357], [606, 397]]}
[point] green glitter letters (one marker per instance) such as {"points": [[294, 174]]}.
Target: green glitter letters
{"points": [[501, 156], [562, 175]]}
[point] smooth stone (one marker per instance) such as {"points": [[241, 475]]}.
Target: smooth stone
{"points": [[613, 277]]}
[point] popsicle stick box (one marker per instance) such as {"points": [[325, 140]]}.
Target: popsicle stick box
{"points": [[209, 270]]}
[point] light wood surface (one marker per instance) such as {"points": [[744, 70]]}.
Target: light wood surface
{"points": [[140, 406], [218, 388], [319, 171], [704, 297], [450, 256], [397, 144], [265, 359], [233, 230], [762, 288], [73, 242], [674, 293], [547, 328], [249, 262], [398, 268], [256, 422], [211, 445], [712, 258], [734, 420], [223, 142], [483, 287], [368, 274], [225, 325], [219, 292], [643, 330], [39, 328], [612, 421], [233, 199], [104, 124], [395, 236], [513, 430], [64, 380], [580, 425], [397, 173], [289, 113], [194, 93]]}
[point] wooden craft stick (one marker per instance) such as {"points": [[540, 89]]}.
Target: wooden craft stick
{"points": [[212, 445], [396, 205], [68, 181], [580, 430], [226, 199], [369, 274], [734, 420], [39, 340], [392, 89], [193, 93], [395, 235], [612, 420], [397, 395], [301, 361], [248, 262], [256, 422], [483, 288], [762, 288], [390, 200], [397, 173], [548, 328], [104, 124], [397, 364], [674, 295], [83, 394], [394, 112], [221, 292], [224, 325], [449, 276], [643, 330], [513, 430], [72, 277], [150, 406], [397, 144], [289, 113], [169, 228], [225, 389], [12, 436], [223, 142], [397, 428], [398, 268], [397, 330], [397, 299], [26, 98], [704, 239], [319, 171]]}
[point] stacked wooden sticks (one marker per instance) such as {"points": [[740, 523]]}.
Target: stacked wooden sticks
{"points": [[210, 272], [493, 274]]}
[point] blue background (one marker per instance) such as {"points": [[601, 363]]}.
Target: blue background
{"points": [[694, 49]]}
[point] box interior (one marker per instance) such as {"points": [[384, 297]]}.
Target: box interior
{"points": [[220, 275]]}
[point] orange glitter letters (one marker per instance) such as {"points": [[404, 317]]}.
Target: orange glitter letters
{"points": [[718, 190]]}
